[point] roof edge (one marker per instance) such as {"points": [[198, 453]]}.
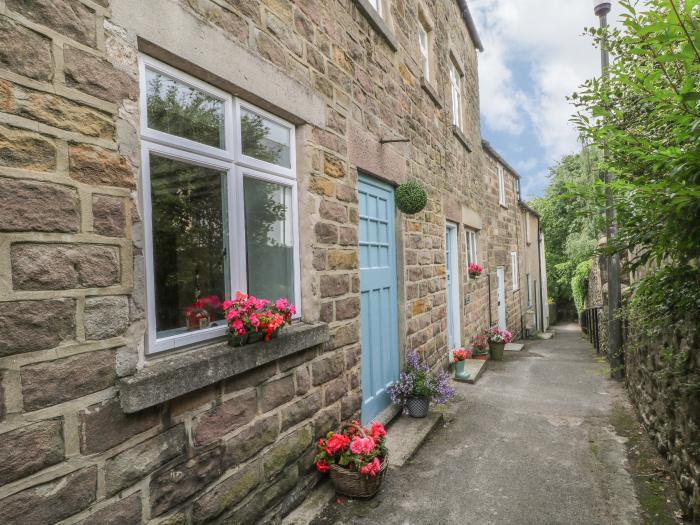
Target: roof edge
{"points": [[471, 26], [490, 149]]}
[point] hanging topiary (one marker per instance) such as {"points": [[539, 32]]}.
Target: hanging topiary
{"points": [[411, 197]]}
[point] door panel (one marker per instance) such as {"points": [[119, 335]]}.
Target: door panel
{"points": [[378, 297], [501, 297]]}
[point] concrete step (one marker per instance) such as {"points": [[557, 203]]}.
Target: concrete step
{"points": [[406, 434], [473, 367], [514, 347]]}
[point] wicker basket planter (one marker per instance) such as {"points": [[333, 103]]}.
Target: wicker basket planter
{"points": [[352, 484]]}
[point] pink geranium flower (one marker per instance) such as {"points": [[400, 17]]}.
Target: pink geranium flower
{"points": [[362, 445], [371, 468]]}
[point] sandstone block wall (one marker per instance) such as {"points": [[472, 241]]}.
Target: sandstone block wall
{"points": [[72, 272]]}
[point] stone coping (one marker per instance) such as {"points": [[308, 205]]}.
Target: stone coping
{"points": [[430, 90], [171, 377], [378, 23], [462, 137]]}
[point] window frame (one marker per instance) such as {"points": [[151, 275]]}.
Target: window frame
{"points": [[236, 166], [456, 94], [501, 185], [472, 250], [515, 271], [423, 31], [377, 6]]}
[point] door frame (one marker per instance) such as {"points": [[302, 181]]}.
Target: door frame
{"points": [[501, 297], [453, 304]]}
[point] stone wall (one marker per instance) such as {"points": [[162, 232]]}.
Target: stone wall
{"points": [[597, 295], [72, 277], [669, 403]]}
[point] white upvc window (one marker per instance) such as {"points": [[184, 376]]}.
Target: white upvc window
{"points": [[471, 247], [424, 46], [377, 5], [501, 186], [514, 270], [219, 201], [456, 91]]}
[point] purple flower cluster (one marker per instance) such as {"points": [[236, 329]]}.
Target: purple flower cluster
{"points": [[418, 381]]}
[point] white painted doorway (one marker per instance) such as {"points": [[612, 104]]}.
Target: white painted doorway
{"points": [[454, 338], [501, 296]]}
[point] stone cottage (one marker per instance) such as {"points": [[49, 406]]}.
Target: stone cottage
{"points": [[534, 301], [154, 154]]}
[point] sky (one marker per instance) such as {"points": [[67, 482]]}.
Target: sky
{"points": [[535, 55]]}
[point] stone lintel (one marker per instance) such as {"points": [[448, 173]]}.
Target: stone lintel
{"points": [[171, 377]]}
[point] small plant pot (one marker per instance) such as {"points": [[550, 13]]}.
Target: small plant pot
{"points": [[238, 340], [460, 374], [496, 350], [417, 406], [474, 275], [352, 484], [482, 357]]}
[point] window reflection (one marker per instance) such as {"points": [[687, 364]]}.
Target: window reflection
{"points": [[189, 258], [264, 139]]}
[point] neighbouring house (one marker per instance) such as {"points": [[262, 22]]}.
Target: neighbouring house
{"points": [[154, 154], [535, 306]]}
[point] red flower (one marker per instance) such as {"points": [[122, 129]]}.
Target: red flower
{"points": [[337, 442], [378, 431], [322, 466], [371, 468], [360, 445]]}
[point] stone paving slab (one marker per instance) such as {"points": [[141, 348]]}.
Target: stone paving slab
{"points": [[407, 434], [514, 347]]}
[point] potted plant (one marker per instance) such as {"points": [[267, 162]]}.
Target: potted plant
{"points": [[418, 386], [251, 319], [480, 347], [498, 339], [475, 270], [356, 457], [460, 355]]}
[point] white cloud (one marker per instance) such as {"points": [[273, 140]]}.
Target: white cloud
{"points": [[535, 56]]}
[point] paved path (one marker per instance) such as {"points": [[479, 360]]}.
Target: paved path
{"points": [[531, 443]]}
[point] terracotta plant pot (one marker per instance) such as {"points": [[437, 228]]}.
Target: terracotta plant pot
{"points": [[417, 406], [482, 357], [496, 350]]}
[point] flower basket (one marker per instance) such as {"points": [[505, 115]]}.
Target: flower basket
{"points": [[251, 319], [496, 350], [352, 484]]}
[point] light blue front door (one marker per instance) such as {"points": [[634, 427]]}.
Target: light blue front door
{"points": [[378, 321]]}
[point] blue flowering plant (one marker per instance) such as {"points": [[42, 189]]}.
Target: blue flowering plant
{"points": [[417, 380]]}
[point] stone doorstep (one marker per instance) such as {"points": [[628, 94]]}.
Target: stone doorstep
{"points": [[407, 434], [545, 335], [312, 506], [514, 347], [473, 367]]}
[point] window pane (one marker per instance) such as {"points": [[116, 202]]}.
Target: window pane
{"points": [[189, 236], [269, 239], [265, 140], [178, 109]]}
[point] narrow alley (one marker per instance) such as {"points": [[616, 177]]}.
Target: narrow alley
{"points": [[531, 443]]}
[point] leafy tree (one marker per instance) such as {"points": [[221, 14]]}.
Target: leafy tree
{"points": [[570, 222]]}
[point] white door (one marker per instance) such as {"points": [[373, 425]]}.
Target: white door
{"points": [[452, 263], [501, 296]]}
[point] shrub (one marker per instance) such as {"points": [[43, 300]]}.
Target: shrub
{"points": [[411, 197]]}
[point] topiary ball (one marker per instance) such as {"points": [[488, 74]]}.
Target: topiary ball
{"points": [[411, 197]]}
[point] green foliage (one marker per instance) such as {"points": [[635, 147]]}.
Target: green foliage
{"points": [[411, 197], [571, 222], [647, 118], [579, 284]]}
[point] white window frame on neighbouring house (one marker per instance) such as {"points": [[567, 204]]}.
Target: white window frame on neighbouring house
{"points": [[228, 159], [501, 186], [515, 274], [456, 93], [472, 255], [424, 47]]}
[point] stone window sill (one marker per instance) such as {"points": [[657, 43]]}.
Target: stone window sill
{"points": [[462, 138], [430, 90], [378, 23], [174, 376]]}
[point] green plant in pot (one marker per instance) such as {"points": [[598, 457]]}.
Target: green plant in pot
{"points": [[418, 385], [498, 338], [411, 197]]}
